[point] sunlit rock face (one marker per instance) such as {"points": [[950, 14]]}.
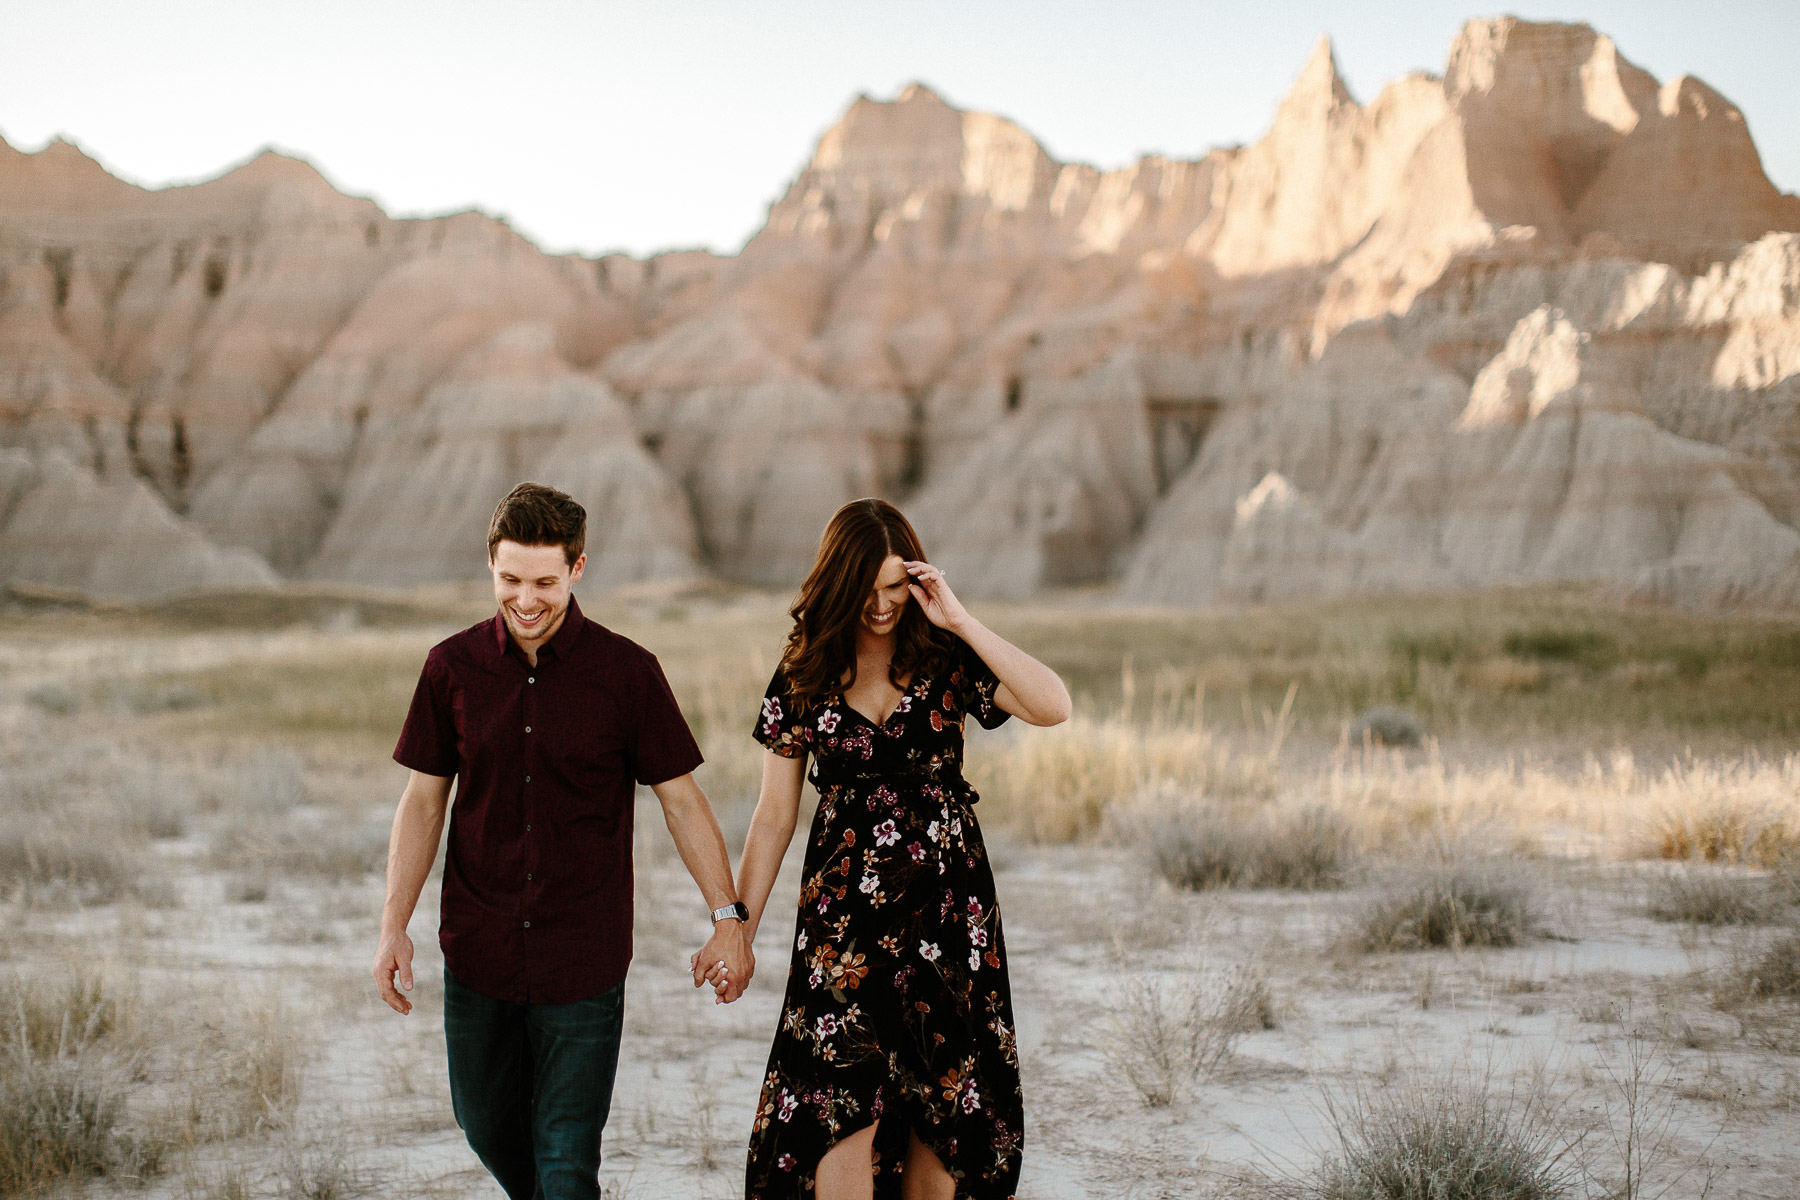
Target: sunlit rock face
{"points": [[1537, 319]]}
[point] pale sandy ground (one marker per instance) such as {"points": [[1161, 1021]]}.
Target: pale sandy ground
{"points": [[1562, 1013], [374, 1099]]}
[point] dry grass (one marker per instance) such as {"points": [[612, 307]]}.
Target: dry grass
{"points": [[1060, 787], [1202, 846], [1708, 896], [1167, 1032], [1453, 904], [1444, 1138], [1776, 971]]}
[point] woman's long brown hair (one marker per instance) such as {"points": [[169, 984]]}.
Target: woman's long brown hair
{"points": [[821, 647]]}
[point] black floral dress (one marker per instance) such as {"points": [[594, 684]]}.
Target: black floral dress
{"points": [[897, 1008]]}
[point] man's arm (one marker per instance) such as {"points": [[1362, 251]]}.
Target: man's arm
{"points": [[702, 849], [413, 844]]}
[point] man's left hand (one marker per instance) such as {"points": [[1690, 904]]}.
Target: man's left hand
{"points": [[725, 961]]}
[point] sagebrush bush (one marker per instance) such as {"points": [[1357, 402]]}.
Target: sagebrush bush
{"points": [[1444, 1139], [1203, 846], [1776, 972], [1710, 897], [1165, 1033], [42, 862], [1479, 903]]}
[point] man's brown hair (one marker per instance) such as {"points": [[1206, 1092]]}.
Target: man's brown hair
{"points": [[535, 515]]}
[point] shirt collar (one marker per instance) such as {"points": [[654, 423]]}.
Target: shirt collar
{"points": [[562, 641]]}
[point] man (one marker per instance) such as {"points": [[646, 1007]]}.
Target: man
{"points": [[547, 720]]}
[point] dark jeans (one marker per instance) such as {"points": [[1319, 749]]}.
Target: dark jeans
{"points": [[531, 1085]]}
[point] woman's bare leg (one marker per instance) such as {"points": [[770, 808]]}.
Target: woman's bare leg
{"points": [[925, 1177], [847, 1172]]}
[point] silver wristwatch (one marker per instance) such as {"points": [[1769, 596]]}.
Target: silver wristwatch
{"points": [[734, 909]]}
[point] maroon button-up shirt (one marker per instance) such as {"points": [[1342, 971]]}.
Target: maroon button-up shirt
{"points": [[537, 877]]}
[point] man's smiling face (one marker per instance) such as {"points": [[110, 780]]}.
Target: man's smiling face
{"points": [[531, 584]]}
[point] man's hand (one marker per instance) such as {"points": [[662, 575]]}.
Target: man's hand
{"points": [[394, 956], [725, 961]]}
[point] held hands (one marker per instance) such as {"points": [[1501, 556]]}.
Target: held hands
{"points": [[725, 961], [394, 956], [933, 595]]}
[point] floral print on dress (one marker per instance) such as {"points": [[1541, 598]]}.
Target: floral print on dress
{"points": [[898, 1007]]}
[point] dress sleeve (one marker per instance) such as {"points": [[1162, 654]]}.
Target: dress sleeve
{"points": [[778, 726], [976, 684]]}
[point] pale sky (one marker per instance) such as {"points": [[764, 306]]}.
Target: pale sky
{"points": [[597, 126]]}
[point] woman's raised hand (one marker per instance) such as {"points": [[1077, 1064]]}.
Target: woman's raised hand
{"points": [[934, 596]]}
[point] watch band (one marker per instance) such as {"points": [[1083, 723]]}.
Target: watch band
{"points": [[735, 909]]}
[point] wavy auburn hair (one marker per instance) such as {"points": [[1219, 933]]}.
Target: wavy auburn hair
{"points": [[821, 647]]}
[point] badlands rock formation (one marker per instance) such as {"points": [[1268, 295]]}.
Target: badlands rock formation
{"points": [[1537, 319]]}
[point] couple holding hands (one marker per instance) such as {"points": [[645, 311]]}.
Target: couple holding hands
{"points": [[894, 1069]]}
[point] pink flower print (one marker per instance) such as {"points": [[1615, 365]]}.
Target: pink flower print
{"points": [[931, 831], [929, 951], [886, 834], [800, 942], [974, 960], [971, 1099], [785, 1106], [917, 851], [977, 936], [785, 1162], [885, 795], [905, 704], [828, 1025], [828, 722], [974, 908], [869, 884]]}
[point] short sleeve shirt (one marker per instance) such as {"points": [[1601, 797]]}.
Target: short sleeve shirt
{"points": [[537, 888]]}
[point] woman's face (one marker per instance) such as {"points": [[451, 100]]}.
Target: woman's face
{"points": [[881, 611]]}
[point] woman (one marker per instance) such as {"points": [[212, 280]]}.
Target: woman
{"points": [[894, 1064]]}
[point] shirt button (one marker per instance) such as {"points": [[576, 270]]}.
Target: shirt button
{"points": [[528, 924], [528, 779], [528, 874], [531, 679], [528, 829], [528, 729]]}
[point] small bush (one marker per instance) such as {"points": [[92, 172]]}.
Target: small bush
{"points": [[336, 852], [1387, 725], [1458, 904], [1205, 847], [1777, 971], [1705, 897], [47, 865], [1446, 1139], [1168, 1033], [1586, 647], [272, 783], [54, 698]]}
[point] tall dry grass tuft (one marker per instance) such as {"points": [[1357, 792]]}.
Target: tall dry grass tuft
{"points": [[68, 1064], [1743, 812], [1447, 1138]]}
